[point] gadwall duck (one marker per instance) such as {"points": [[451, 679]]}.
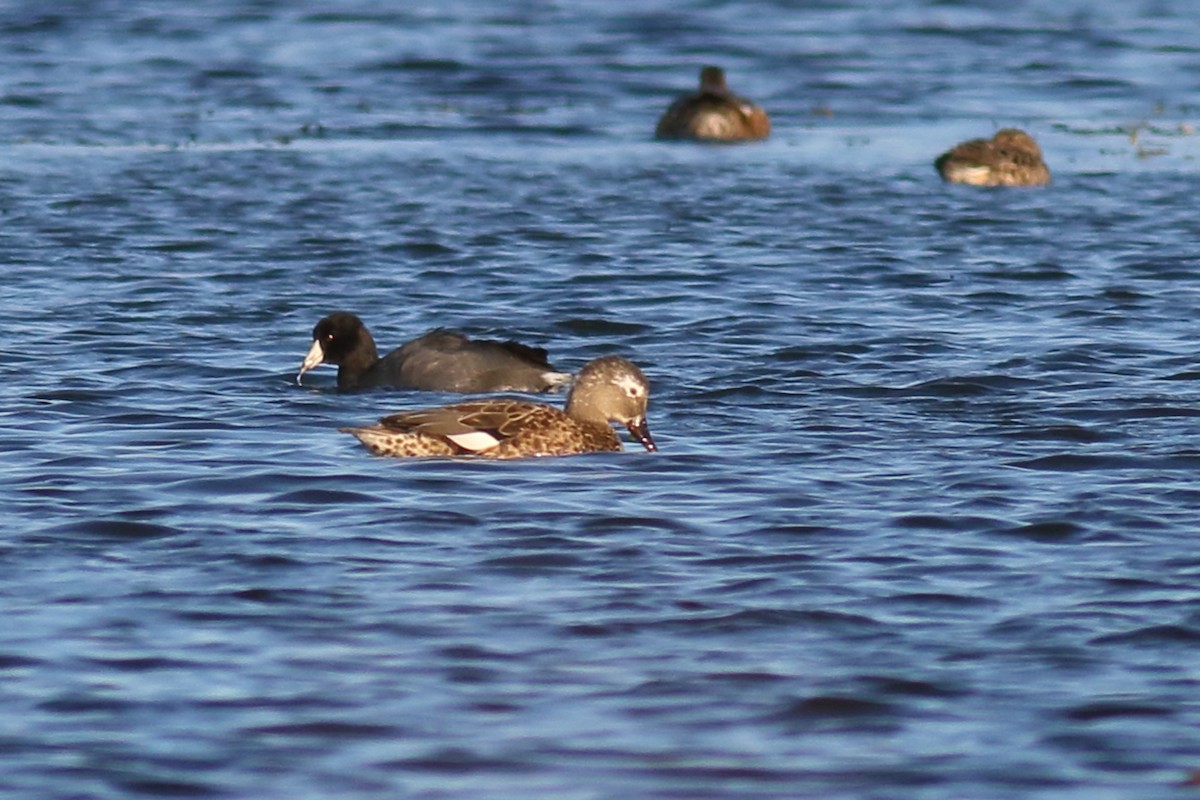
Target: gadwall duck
{"points": [[439, 361], [606, 389], [1010, 158], [713, 114]]}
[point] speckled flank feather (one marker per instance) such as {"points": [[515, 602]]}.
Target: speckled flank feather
{"points": [[519, 428], [383, 442], [713, 114], [608, 388], [1010, 158]]}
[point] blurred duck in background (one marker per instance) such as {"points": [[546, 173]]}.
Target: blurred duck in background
{"points": [[714, 114], [1010, 158]]}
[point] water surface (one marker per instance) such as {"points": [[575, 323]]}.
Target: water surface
{"points": [[922, 520]]}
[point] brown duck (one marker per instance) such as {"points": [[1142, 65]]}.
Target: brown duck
{"points": [[439, 361], [714, 113], [1010, 158], [606, 389]]}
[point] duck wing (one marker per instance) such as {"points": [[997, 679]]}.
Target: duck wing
{"points": [[976, 153], [474, 426]]}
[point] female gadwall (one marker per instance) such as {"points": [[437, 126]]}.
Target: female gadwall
{"points": [[439, 361], [713, 114], [608, 388], [1010, 158]]}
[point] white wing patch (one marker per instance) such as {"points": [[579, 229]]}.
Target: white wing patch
{"points": [[475, 441]]}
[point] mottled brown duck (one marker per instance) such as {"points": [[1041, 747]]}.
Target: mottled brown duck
{"points": [[608, 389], [1010, 158], [713, 114]]}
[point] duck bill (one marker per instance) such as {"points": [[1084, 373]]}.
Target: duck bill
{"points": [[640, 430], [315, 356]]}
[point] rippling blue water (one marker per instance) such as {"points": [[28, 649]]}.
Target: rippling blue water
{"points": [[923, 521]]}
